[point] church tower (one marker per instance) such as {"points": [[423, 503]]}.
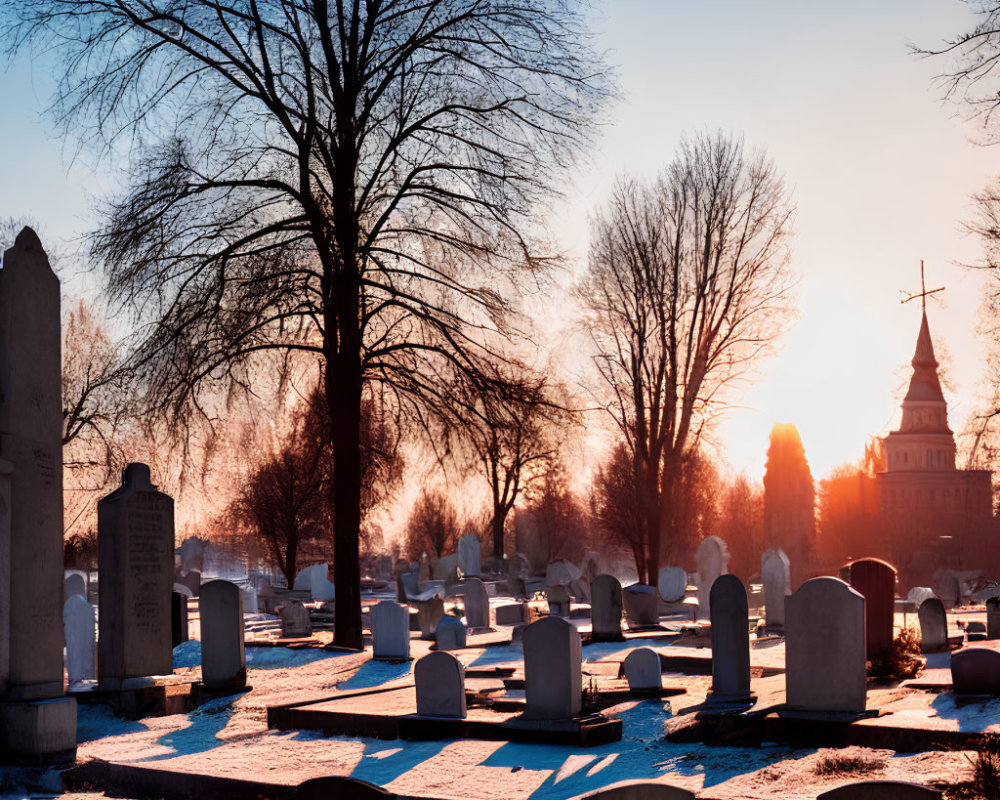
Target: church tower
{"points": [[924, 441], [934, 515]]}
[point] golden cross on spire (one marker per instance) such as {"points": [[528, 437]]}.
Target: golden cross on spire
{"points": [[924, 291]]}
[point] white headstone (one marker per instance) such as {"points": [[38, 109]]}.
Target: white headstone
{"points": [[477, 604], [713, 561], [469, 555], [390, 632], [825, 647], [672, 584], [776, 575], [223, 658], [642, 670], [450, 633], [78, 622], [553, 679], [135, 539], [295, 622], [730, 640], [440, 684], [606, 609]]}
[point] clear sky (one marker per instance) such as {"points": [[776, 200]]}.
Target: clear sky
{"points": [[881, 173]]}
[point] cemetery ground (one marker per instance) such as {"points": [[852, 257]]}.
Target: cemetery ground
{"points": [[664, 739]]}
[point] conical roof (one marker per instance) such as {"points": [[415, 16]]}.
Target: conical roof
{"points": [[924, 383]]}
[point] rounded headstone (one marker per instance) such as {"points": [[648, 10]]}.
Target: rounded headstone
{"points": [[553, 679], [730, 639], [74, 583], [933, 626], [825, 647], [78, 625], [642, 670], [713, 560], [672, 584], [440, 685]]}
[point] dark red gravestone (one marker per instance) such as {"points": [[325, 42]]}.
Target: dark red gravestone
{"points": [[876, 580]]}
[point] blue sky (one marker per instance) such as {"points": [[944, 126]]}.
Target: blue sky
{"points": [[880, 170]]}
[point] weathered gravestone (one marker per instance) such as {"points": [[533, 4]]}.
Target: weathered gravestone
{"points": [[75, 582], [946, 587], [881, 790], [182, 588], [642, 605], [440, 683], [672, 584], [730, 641], [135, 541], [295, 622], [825, 648], [553, 679], [776, 575], [713, 560], [390, 632], [638, 790], [78, 623], [469, 555], [477, 604], [223, 657], [192, 580], [192, 553], [429, 613], [975, 670], [993, 618], [933, 626], [642, 670], [918, 594], [31, 510], [313, 579], [450, 633], [558, 600], [178, 618], [876, 581], [606, 609]]}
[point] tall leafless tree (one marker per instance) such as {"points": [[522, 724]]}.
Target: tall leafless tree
{"points": [[686, 288], [356, 180]]}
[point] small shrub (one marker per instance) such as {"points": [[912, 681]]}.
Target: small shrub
{"points": [[850, 762], [901, 662]]}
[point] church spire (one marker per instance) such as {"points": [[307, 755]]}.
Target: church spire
{"points": [[924, 383]]}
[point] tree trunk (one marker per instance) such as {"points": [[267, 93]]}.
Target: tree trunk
{"points": [[343, 387], [498, 526]]}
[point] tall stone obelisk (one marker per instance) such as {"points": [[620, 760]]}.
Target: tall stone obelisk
{"points": [[37, 721]]}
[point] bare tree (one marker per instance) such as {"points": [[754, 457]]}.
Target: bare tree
{"points": [[686, 288], [97, 415], [432, 526], [317, 177], [511, 426]]}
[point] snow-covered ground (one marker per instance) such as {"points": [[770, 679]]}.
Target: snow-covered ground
{"points": [[229, 737]]}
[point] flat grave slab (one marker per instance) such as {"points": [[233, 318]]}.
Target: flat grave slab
{"points": [[355, 714]]}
